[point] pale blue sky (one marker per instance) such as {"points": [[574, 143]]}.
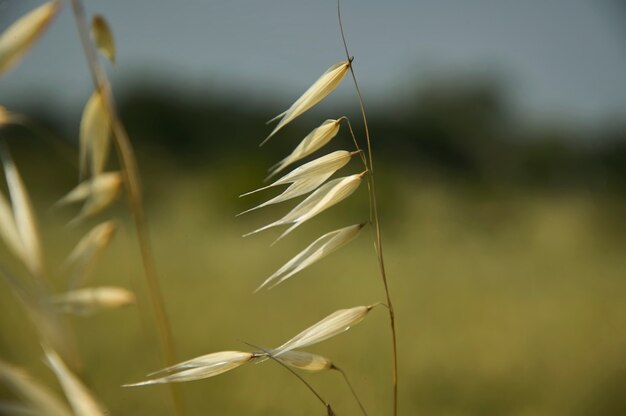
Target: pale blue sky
{"points": [[563, 59]]}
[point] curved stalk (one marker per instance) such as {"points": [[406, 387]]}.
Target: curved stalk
{"points": [[130, 174], [269, 355], [365, 165], [377, 238], [356, 396]]}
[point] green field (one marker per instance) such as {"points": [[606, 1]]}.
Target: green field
{"points": [[508, 302]]}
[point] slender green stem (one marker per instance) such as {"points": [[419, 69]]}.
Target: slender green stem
{"points": [[378, 240], [130, 173]]}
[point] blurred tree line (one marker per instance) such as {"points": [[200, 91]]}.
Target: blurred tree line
{"points": [[464, 132]]}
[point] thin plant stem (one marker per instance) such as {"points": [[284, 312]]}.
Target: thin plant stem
{"points": [[378, 240], [356, 397], [269, 355], [131, 179], [365, 165]]}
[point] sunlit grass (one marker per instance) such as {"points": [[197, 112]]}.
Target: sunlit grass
{"points": [[510, 304]]}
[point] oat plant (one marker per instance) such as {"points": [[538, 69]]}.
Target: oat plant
{"points": [[313, 174], [314, 180], [100, 128]]}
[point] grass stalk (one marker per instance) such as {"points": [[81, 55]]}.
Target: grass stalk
{"points": [[130, 174], [376, 222], [269, 355], [351, 387]]}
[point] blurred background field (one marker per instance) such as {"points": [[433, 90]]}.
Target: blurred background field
{"points": [[504, 234]]}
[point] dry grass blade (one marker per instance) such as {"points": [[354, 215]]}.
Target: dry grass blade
{"points": [[95, 129], [198, 368], [81, 400], [99, 193], [316, 93], [313, 141], [319, 249], [334, 324], [323, 198], [306, 361], [89, 300], [24, 217], [21, 35], [36, 397], [103, 37]]}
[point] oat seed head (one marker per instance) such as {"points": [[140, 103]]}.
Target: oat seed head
{"points": [[201, 367], [103, 37], [305, 361], [327, 195], [105, 183], [91, 245], [296, 189], [316, 93], [331, 162], [18, 38], [98, 193], [313, 141], [334, 324], [93, 299], [320, 248], [23, 216], [95, 129]]}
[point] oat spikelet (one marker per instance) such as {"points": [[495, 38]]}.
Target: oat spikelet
{"points": [[198, 368], [98, 193], [103, 37], [95, 241], [306, 361], [37, 398], [323, 198], [306, 178], [23, 216], [82, 401], [334, 324], [21, 35], [87, 251], [320, 248], [329, 163], [316, 93], [295, 190], [313, 141], [95, 128], [89, 300]]}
